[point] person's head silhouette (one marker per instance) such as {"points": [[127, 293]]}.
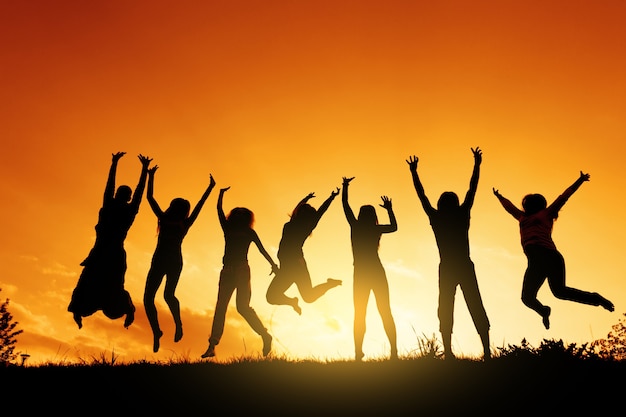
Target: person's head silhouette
{"points": [[123, 194], [178, 209], [241, 217], [447, 201], [304, 213], [367, 215], [534, 203]]}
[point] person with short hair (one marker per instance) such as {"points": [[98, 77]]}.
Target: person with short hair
{"points": [[450, 222]]}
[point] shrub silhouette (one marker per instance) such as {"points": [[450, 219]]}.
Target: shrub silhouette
{"points": [[614, 346], [7, 334]]}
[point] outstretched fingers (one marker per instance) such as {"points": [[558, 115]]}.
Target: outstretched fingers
{"points": [[412, 161], [145, 161], [584, 177], [478, 154], [118, 155], [386, 202]]}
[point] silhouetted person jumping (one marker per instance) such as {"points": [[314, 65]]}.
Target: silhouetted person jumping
{"points": [[101, 282], [369, 273], [450, 223], [167, 260], [293, 267], [235, 275], [544, 260]]}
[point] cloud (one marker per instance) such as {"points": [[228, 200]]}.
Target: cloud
{"points": [[398, 267], [58, 269]]}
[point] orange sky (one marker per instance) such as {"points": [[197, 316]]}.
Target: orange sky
{"points": [[280, 98]]}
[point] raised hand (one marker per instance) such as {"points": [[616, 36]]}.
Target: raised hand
{"points": [[152, 170], [223, 190], [212, 181], [386, 202], [309, 196], [118, 155], [478, 155], [145, 161], [335, 193], [584, 177], [346, 180], [412, 161], [496, 193]]}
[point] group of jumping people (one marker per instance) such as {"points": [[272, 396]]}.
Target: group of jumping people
{"points": [[101, 283]]}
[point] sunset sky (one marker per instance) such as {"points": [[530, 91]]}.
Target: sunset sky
{"points": [[277, 99]]}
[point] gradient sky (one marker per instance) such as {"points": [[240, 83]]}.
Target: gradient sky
{"points": [[277, 99]]}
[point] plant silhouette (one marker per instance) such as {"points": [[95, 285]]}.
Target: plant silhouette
{"points": [[293, 266], [167, 260], [8, 334], [101, 282], [536, 221], [369, 273], [450, 222]]}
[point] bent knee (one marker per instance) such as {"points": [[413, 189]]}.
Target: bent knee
{"points": [[245, 310], [271, 297], [528, 299], [170, 299]]}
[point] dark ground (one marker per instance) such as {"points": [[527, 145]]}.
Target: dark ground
{"points": [[415, 387]]}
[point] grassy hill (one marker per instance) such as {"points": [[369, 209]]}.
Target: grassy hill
{"points": [[514, 383]]}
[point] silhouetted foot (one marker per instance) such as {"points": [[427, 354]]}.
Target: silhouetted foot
{"points": [[449, 356], [295, 306], [130, 318], [179, 334], [487, 355], [157, 341], [394, 355], [79, 320], [606, 303], [333, 282], [267, 344], [210, 352], [358, 356], [546, 317]]}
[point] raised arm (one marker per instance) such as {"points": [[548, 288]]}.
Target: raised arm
{"points": [[138, 194], [259, 245], [304, 201], [428, 208], [344, 200], [508, 206], [393, 226], [150, 194], [220, 210], [322, 209], [194, 214], [471, 193], [109, 189], [562, 199]]}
